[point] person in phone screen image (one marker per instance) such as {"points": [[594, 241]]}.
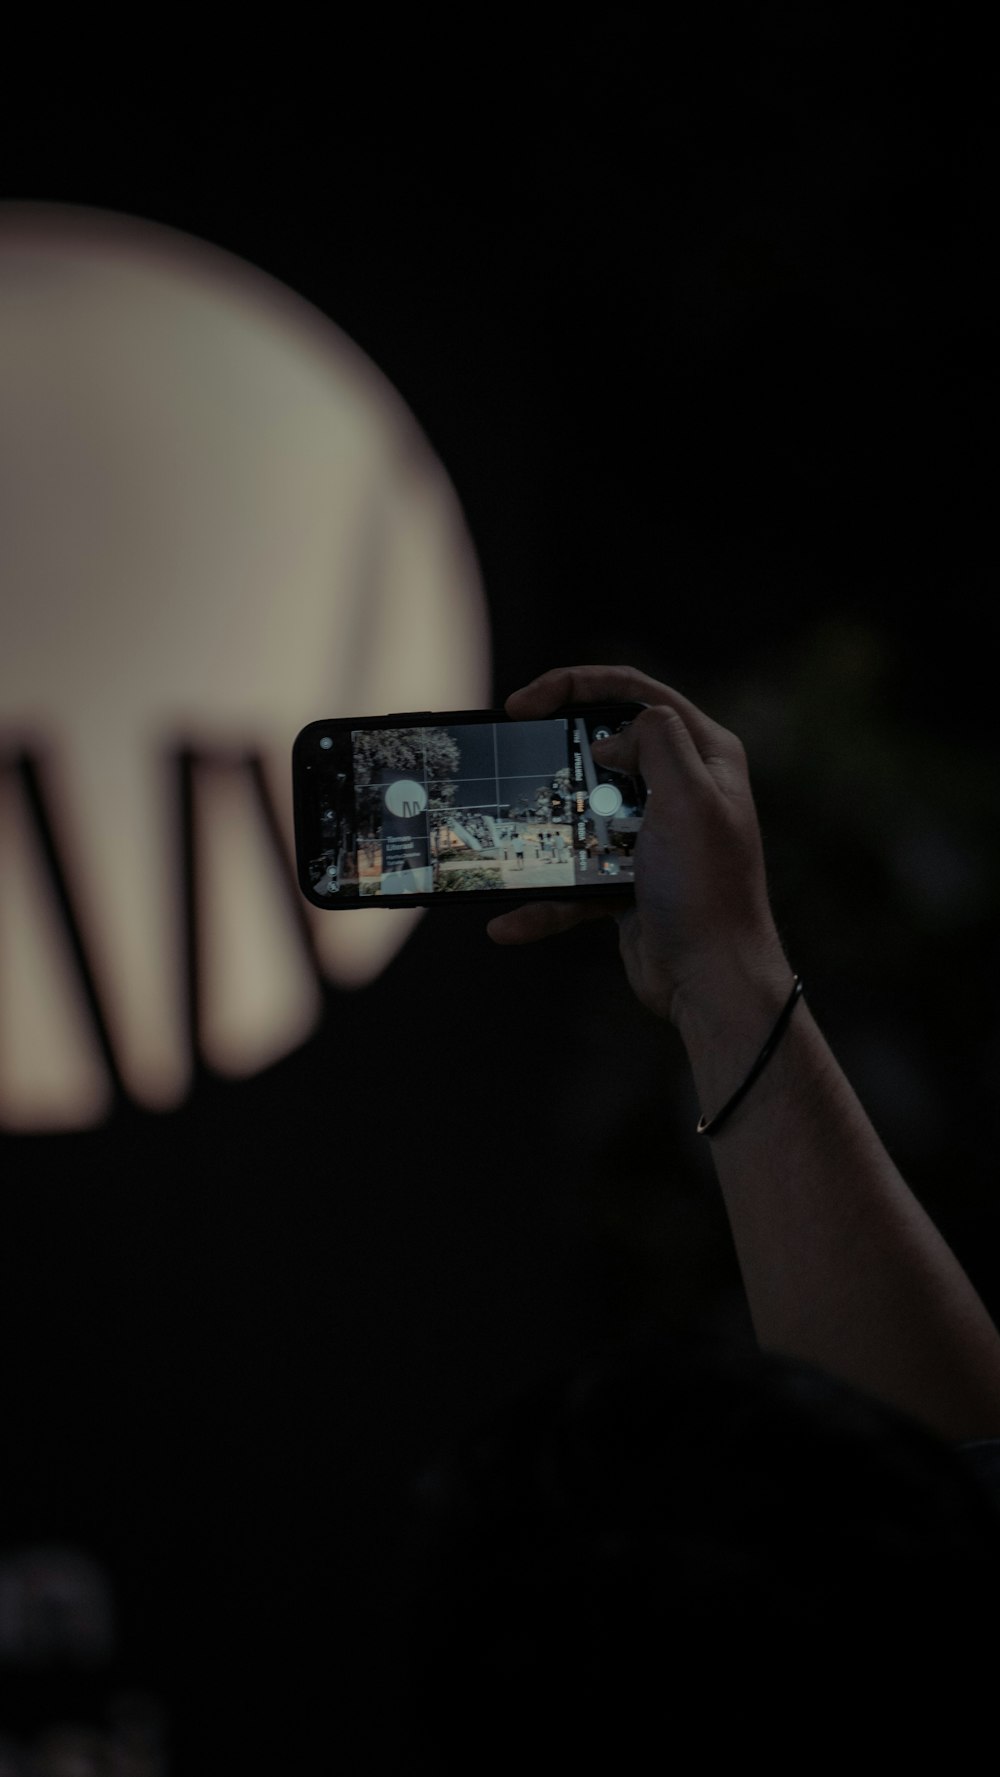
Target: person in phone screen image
{"points": [[676, 1542]]}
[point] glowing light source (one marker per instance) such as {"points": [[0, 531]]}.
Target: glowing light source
{"points": [[217, 521]]}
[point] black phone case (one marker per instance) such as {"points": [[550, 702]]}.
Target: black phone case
{"points": [[611, 871]]}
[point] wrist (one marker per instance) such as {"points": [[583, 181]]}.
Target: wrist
{"points": [[728, 1029], [734, 1002]]}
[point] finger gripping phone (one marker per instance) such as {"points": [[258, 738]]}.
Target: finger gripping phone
{"points": [[426, 808]]}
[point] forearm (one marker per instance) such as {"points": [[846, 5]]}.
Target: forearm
{"points": [[842, 1266]]}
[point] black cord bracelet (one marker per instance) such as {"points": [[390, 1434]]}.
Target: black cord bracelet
{"points": [[711, 1126]]}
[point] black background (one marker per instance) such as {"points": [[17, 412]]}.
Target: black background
{"points": [[702, 326]]}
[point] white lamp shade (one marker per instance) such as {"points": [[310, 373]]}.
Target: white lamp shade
{"points": [[218, 522]]}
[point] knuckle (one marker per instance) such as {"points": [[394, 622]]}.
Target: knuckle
{"points": [[658, 716]]}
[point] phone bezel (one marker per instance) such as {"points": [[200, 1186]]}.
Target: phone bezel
{"points": [[495, 898]]}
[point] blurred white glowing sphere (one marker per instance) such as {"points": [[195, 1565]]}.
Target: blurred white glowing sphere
{"points": [[218, 522]]}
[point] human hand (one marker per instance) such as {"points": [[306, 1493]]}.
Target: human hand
{"points": [[701, 905]]}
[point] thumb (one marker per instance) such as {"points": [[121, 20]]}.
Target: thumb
{"points": [[657, 746]]}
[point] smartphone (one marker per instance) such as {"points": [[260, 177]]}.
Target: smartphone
{"points": [[430, 807]]}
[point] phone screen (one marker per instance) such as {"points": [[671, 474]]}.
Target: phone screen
{"points": [[404, 810]]}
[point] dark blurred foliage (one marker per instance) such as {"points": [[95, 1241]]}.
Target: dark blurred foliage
{"points": [[700, 318], [883, 859]]}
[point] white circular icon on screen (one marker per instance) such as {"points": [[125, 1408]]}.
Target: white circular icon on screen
{"points": [[405, 797], [606, 800]]}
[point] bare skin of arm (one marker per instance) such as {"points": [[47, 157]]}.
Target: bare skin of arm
{"points": [[842, 1266]]}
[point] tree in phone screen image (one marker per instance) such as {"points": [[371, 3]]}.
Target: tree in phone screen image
{"points": [[402, 790]]}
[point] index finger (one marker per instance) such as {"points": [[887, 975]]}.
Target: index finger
{"points": [[595, 684]]}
